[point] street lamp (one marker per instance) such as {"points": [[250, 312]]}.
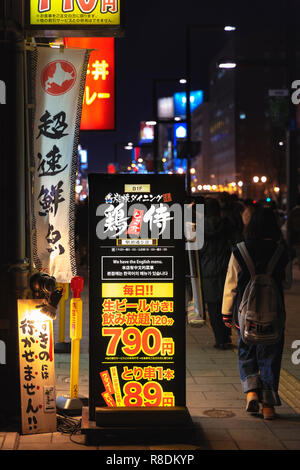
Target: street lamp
{"points": [[227, 65], [125, 146]]}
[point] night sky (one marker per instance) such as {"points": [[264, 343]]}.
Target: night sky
{"points": [[154, 46]]}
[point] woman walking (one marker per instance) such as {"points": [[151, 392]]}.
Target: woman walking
{"points": [[214, 258], [259, 365]]}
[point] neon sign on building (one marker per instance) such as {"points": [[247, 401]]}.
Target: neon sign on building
{"points": [[98, 111]]}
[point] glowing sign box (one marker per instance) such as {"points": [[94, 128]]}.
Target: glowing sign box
{"points": [[72, 17], [98, 111], [137, 278], [196, 98]]}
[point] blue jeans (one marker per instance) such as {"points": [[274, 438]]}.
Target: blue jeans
{"points": [[259, 368]]}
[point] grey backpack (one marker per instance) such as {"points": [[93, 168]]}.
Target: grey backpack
{"points": [[261, 313]]}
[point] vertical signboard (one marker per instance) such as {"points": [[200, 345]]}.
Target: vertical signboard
{"points": [[137, 278], [98, 110], [37, 374], [59, 86]]}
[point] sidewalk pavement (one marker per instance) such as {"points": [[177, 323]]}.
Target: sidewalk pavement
{"points": [[214, 397]]}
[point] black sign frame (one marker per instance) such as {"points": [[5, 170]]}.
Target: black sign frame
{"points": [[174, 187]]}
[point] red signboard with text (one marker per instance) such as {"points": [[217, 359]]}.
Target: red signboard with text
{"points": [[98, 111]]}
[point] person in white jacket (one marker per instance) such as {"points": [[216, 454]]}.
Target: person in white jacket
{"points": [[259, 365]]}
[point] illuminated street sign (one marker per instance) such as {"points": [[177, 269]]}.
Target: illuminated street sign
{"points": [[98, 111], [101, 17], [137, 324], [196, 98]]}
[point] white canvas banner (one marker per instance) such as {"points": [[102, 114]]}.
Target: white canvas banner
{"points": [[59, 79]]}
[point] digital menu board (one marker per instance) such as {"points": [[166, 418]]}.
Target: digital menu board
{"points": [[136, 291]]}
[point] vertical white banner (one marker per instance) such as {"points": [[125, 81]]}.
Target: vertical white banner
{"points": [[59, 79]]}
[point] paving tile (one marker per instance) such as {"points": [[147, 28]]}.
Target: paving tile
{"points": [[195, 397], [2, 437], [230, 372], [190, 380], [174, 447], [285, 419], [210, 388], [204, 366], [217, 380], [66, 442], [131, 447], [207, 373], [286, 433], [216, 434], [255, 439], [212, 404], [223, 445], [292, 445], [10, 441], [223, 395], [235, 422]]}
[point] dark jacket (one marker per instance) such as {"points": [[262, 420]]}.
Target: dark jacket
{"points": [[293, 226], [214, 257]]}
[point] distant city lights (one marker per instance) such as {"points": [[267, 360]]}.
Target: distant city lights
{"points": [[227, 65], [229, 28]]}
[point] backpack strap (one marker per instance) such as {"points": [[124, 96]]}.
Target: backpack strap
{"points": [[275, 258], [246, 257]]}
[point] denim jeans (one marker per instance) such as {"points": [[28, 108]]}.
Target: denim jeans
{"points": [[259, 367]]}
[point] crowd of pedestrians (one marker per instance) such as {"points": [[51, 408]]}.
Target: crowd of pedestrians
{"points": [[260, 228]]}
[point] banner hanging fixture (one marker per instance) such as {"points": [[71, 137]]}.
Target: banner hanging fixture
{"points": [[59, 86]]}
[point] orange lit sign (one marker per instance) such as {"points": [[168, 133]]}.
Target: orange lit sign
{"points": [[98, 111]]}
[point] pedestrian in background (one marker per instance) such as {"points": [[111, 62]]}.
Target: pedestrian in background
{"points": [[293, 230], [247, 211], [231, 208], [219, 238], [259, 365]]}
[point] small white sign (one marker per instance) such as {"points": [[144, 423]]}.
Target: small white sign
{"points": [[37, 370], [2, 352], [2, 92]]}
